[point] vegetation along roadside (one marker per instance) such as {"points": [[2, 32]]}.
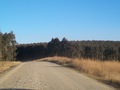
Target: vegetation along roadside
{"points": [[106, 71]]}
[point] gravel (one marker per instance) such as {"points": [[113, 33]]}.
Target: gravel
{"points": [[47, 76]]}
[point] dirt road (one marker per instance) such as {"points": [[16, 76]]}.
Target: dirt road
{"points": [[47, 76]]}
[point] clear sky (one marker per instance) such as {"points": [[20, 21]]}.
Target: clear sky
{"points": [[40, 20]]}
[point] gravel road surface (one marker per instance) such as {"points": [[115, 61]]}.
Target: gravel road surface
{"points": [[47, 76]]}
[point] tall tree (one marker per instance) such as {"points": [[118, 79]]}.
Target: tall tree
{"points": [[8, 45]]}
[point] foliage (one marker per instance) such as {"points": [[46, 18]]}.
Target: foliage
{"points": [[7, 46], [31, 51], [100, 50]]}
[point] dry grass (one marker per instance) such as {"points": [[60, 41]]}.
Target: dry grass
{"points": [[103, 70], [59, 60], [6, 65]]}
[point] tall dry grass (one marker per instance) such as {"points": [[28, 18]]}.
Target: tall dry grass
{"points": [[5, 65], [104, 70], [59, 60]]}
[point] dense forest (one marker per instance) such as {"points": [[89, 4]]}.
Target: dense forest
{"points": [[100, 50]]}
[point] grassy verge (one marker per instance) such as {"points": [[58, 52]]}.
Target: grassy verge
{"points": [[107, 71], [6, 65]]}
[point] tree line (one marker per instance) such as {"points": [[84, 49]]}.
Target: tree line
{"points": [[7, 46], [100, 50], [31, 51]]}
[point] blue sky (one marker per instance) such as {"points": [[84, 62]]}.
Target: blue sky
{"points": [[40, 20]]}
